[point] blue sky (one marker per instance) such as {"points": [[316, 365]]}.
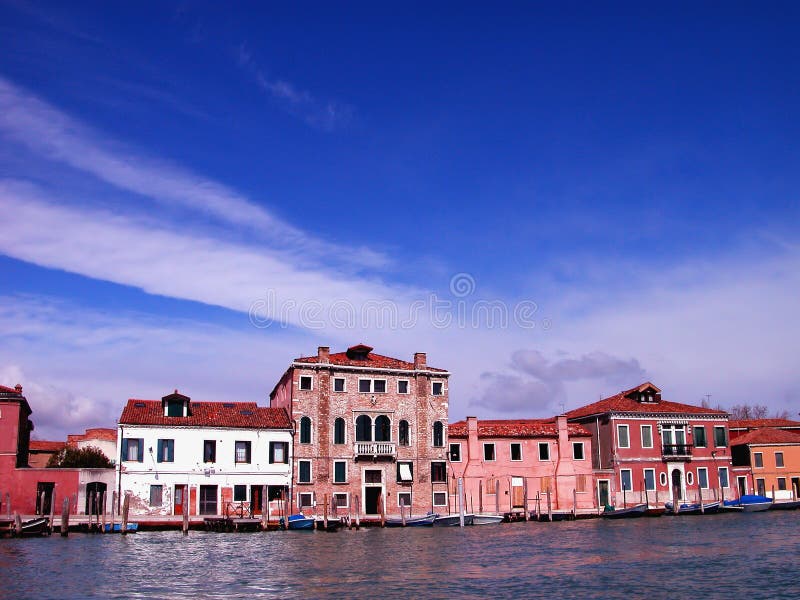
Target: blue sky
{"points": [[627, 173]]}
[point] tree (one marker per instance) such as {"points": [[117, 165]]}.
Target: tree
{"points": [[89, 457], [744, 412]]}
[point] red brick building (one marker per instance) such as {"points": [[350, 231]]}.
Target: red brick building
{"points": [[647, 448], [369, 429]]}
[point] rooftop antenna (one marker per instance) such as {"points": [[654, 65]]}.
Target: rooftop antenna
{"points": [[562, 405]]}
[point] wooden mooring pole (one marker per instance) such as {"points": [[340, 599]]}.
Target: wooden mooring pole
{"points": [[549, 506], [480, 496], [185, 510], [52, 512], [574, 504], [383, 510], [65, 518], [17, 524], [126, 504], [103, 508], [358, 513], [497, 496], [525, 497], [325, 512], [8, 505], [264, 508]]}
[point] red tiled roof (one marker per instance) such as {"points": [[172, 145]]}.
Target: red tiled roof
{"points": [[369, 361], [96, 433], [767, 436], [755, 423], [8, 390], [46, 446], [207, 414], [516, 428], [620, 403]]}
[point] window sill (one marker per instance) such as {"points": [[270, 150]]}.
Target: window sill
{"points": [[305, 483]]}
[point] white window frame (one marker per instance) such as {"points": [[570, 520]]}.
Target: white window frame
{"points": [[689, 478], [344, 387], [310, 471], [700, 479], [663, 478], [494, 452], [655, 483], [727, 477], [408, 386], [434, 383], [300, 495], [450, 453], [372, 381], [300, 383], [627, 435], [583, 450], [410, 498], [643, 427], [441, 494], [246, 492], [511, 452], [346, 472], [539, 451], [622, 479], [346, 499]]}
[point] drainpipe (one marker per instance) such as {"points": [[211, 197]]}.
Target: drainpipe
{"points": [[119, 468], [599, 456]]}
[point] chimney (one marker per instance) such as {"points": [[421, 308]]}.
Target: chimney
{"points": [[563, 434], [324, 352], [18, 388], [473, 447], [420, 360]]}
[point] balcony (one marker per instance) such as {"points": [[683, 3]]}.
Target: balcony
{"points": [[375, 450], [676, 450]]}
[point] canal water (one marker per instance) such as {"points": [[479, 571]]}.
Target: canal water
{"points": [[716, 556]]}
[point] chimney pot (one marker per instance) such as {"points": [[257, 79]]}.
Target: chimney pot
{"points": [[324, 352], [18, 387], [420, 360]]}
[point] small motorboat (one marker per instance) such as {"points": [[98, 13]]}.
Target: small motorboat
{"points": [[625, 513], [38, 526], [424, 521], [117, 528], [786, 505], [692, 509], [751, 503], [479, 519], [452, 520], [300, 521], [334, 524]]}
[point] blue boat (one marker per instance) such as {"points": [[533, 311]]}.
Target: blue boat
{"points": [[300, 521], [750, 503], [692, 509], [117, 528]]}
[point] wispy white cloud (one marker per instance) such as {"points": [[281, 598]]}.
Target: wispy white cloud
{"points": [[327, 115]]}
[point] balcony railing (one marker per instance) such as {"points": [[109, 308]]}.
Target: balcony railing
{"points": [[375, 449], [676, 450]]}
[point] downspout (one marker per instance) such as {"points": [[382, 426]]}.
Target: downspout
{"points": [[597, 428], [119, 467]]}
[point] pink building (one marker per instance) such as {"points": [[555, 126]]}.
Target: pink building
{"points": [[503, 463], [370, 432], [649, 449]]}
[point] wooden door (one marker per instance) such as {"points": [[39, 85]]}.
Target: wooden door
{"points": [[180, 495]]}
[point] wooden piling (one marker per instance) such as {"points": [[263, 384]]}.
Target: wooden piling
{"points": [[325, 512], [525, 497], [185, 510], [17, 524], [497, 496], [264, 508], [403, 514], [675, 500], [480, 496], [126, 504], [538, 506], [773, 494], [52, 513], [574, 503], [103, 508], [549, 507], [65, 518], [382, 509], [8, 505], [460, 502], [113, 508], [702, 507], [358, 513]]}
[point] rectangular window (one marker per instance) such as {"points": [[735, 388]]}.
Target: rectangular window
{"points": [[405, 472], [488, 452], [305, 382], [402, 386], [404, 499], [339, 471], [379, 386], [340, 500], [544, 451], [438, 472], [761, 488], [758, 460], [338, 384], [242, 453], [516, 451], [304, 471], [208, 499], [700, 437], [623, 439], [305, 499], [647, 436], [365, 386], [440, 498], [779, 459], [577, 451], [156, 495], [166, 451], [210, 451], [723, 477], [455, 452], [627, 479], [720, 437], [650, 479], [781, 483], [702, 477], [175, 408], [133, 449], [240, 493], [279, 452], [437, 388]]}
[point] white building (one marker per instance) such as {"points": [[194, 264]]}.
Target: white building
{"points": [[216, 455]]}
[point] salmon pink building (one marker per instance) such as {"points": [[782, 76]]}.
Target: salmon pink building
{"points": [[767, 462], [516, 465], [646, 449], [370, 432]]}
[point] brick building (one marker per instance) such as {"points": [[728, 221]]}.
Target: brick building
{"points": [[367, 427]]}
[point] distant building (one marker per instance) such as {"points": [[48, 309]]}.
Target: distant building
{"points": [[504, 461], [215, 456], [767, 460], [649, 449], [743, 426], [102, 438], [41, 451], [368, 429]]}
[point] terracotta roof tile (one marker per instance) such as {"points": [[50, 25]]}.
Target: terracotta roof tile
{"points": [[207, 414], [516, 428], [767, 436], [755, 423], [369, 361], [46, 446], [96, 433]]}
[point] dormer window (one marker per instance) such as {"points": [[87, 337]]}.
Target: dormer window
{"points": [[176, 405], [174, 408]]}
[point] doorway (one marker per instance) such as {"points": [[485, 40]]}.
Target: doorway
{"points": [[517, 493], [95, 497], [44, 497], [602, 493], [255, 499], [179, 496], [741, 482], [795, 488], [677, 484], [373, 491]]}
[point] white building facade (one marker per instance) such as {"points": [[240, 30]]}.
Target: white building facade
{"points": [[210, 458]]}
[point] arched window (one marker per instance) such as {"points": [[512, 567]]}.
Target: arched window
{"points": [[338, 431], [383, 429], [305, 430], [404, 438], [438, 434], [363, 429]]}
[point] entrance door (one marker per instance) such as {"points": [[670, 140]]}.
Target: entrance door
{"points": [[742, 483], [761, 487], [677, 485], [44, 497], [255, 499], [95, 497], [602, 492], [795, 487], [180, 494], [373, 489], [517, 493], [208, 499]]}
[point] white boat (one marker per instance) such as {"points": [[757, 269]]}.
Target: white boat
{"points": [[486, 519], [452, 520]]}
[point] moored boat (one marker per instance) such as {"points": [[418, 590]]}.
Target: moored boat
{"points": [[117, 528], [452, 520], [299, 521], [751, 503], [786, 505], [423, 521], [625, 513], [38, 526], [692, 509], [479, 519]]}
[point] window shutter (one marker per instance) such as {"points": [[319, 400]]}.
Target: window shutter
{"points": [[171, 451], [271, 452], [160, 451], [124, 453], [140, 455]]}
